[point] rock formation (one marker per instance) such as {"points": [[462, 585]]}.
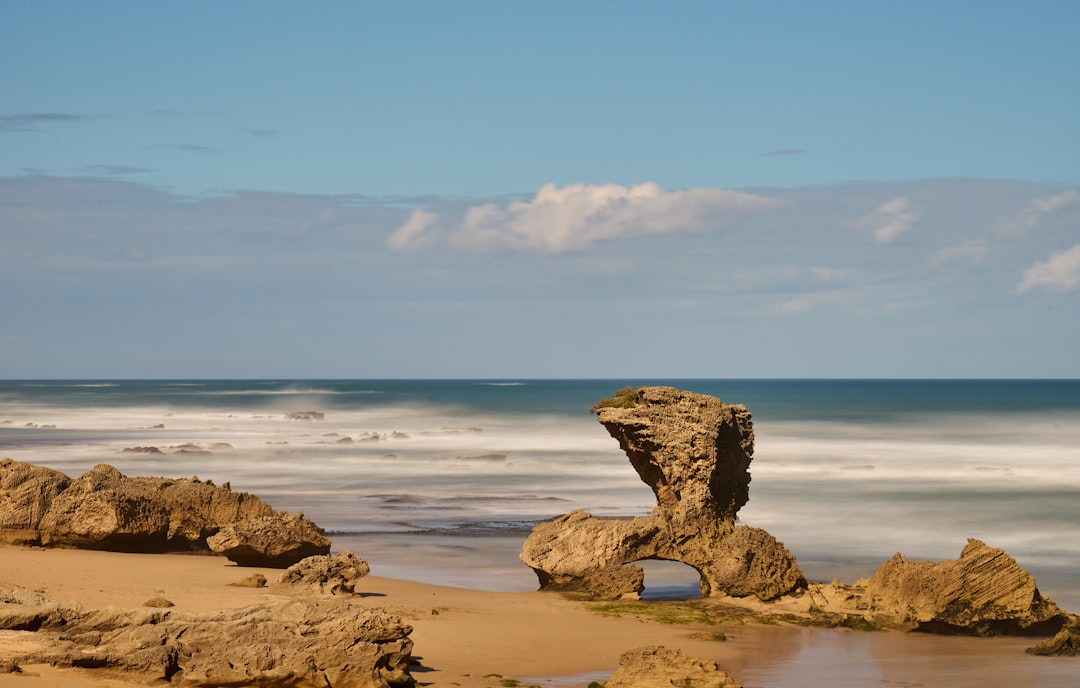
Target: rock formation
{"points": [[337, 575], [26, 491], [291, 642], [658, 667], [984, 592], [694, 451], [275, 541], [107, 510], [1065, 644]]}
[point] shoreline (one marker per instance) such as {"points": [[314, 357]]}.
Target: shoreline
{"points": [[466, 637]]}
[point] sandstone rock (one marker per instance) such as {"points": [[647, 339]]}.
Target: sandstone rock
{"points": [[276, 644], [158, 603], [694, 451], [1065, 644], [105, 509], [984, 592], [26, 491], [658, 667], [275, 541], [255, 580], [336, 575]]}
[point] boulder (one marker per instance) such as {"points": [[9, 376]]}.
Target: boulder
{"points": [[296, 643], [275, 541], [694, 452], [983, 593], [336, 575], [26, 491], [105, 509], [659, 667]]}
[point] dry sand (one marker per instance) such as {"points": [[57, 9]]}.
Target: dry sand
{"points": [[465, 637]]}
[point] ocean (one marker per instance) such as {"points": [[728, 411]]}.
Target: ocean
{"points": [[440, 481]]}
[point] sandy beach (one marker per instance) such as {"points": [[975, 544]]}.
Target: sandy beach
{"points": [[474, 639]]}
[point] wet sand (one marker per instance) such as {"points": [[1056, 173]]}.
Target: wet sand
{"points": [[537, 638]]}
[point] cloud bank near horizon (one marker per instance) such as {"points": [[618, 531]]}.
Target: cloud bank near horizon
{"points": [[849, 279]]}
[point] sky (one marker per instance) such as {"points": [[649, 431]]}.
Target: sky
{"points": [[555, 189]]}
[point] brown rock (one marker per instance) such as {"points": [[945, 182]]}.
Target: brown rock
{"points": [[694, 451], [984, 592], [26, 491], [336, 575], [658, 667], [255, 580], [158, 603], [279, 643], [105, 509], [276, 541], [1065, 644]]}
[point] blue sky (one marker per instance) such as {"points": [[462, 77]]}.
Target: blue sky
{"points": [[556, 189]]}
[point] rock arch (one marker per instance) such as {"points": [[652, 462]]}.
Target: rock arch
{"points": [[694, 451]]}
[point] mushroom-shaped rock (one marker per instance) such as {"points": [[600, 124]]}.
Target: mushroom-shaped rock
{"points": [[694, 451], [276, 541]]}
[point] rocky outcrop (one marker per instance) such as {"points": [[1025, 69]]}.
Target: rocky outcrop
{"points": [[298, 643], [1065, 644], [106, 510], [694, 451], [276, 541], [26, 491], [337, 575], [984, 592], [659, 667]]}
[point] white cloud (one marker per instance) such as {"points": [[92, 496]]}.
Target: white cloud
{"points": [[1036, 213], [1060, 273], [968, 253], [417, 231], [889, 220], [573, 217]]}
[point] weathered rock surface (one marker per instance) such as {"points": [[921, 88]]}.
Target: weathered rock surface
{"points": [[659, 667], [107, 510], [694, 451], [984, 592], [274, 541], [26, 491], [295, 643], [337, 575], [1065, 644]]}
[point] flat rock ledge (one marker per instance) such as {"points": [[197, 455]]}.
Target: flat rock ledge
{"points": [[694, 452], [294, 643]]}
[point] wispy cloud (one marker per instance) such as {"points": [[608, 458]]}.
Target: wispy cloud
{"points": [[889, 220], [572, 218], [262, 133], [192, 148], [1058, 273], [786, 151], [115, 170], [1037, 213], [967, 253], [30, 121]]}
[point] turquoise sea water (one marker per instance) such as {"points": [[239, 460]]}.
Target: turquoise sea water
{"points": [[440, 481]]}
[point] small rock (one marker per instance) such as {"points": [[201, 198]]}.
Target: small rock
{"points": [[256, 580], [160, 602]]}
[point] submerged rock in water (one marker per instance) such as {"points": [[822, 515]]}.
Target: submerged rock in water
{"points": [[984, 592], [1065, 644], [659, 667], [694, 451]]}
